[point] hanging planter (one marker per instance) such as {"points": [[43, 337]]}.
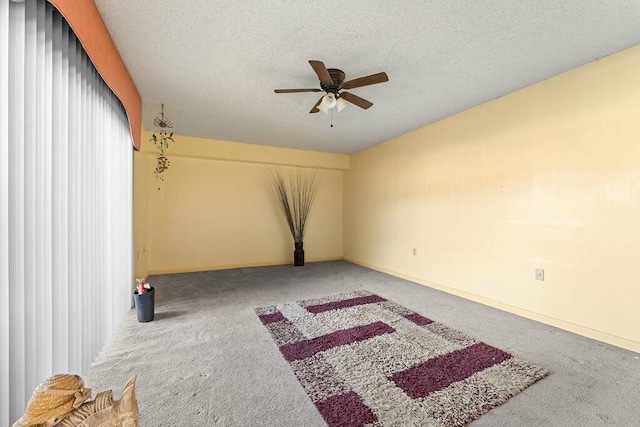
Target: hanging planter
{"points": [[162, 139], [162, 164], [295, 193]]}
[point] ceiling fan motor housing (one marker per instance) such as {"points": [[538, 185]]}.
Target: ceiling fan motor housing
{"points": [[338, 78]]}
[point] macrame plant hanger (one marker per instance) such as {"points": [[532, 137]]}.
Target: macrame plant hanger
{"points": [[162, 139]]}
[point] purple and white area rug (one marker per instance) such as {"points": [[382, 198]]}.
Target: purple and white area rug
{"points": [[367, 361]]}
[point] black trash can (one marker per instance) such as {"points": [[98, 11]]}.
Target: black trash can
{"points": [[145, 305]]}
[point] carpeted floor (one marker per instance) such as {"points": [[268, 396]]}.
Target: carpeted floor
{"points": [[207, 359]]}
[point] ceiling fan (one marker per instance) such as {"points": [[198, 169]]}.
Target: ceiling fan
{"points": [[332, 82]]}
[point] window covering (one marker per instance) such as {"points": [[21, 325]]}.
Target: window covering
{"points": [[65, 204]]}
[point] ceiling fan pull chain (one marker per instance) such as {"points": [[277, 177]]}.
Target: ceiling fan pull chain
{"points": [[331, 116]]}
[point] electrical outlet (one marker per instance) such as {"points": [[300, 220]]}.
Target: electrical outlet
{"points": [[415, 251], [540, 274]]}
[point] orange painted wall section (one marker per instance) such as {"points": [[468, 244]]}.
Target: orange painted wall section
{"points": [[86, 22]]}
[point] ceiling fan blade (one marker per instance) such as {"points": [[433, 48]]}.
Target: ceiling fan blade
{"points": [[355, 100], [315, 107], [321, 71], [296, 90], [366, 81]]}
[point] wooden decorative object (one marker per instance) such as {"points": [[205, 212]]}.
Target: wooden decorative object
{"points": [[46, 407]]}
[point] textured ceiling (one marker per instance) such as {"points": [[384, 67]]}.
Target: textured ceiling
{"points": [[215, 64]]}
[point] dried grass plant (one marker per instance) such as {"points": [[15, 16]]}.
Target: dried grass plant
{"points": [[295, 190]]}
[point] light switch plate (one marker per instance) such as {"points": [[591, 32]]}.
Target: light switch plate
{"points": [[540, 274]]}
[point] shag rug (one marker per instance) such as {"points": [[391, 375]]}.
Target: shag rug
{"points": [[366, 361]]}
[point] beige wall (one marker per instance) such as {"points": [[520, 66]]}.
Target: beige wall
{"points": [[215, 210], [140, 215], [546, 177]]}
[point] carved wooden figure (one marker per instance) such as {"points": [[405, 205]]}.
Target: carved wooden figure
{"points": [[103, 411], [61, 401]]}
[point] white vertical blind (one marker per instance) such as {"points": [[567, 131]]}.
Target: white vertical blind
{"points": [[4, 214], [65, 204]]}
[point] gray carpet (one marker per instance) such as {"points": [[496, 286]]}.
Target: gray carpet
{"points": [[207, 360]]}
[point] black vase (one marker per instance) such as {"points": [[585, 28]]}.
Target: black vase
{"points": [[298, 255], [145, 305]]}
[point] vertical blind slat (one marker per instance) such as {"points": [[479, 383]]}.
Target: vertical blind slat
{"points": [[41, 178], [46, 147], [56, 235], [4, 213], [65, 204], [30, 100], [74, 210], [17, 318]]}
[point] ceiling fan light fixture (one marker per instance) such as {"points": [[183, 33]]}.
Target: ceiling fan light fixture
{"points": [[329, 100], [341, 103], [323, 107]]}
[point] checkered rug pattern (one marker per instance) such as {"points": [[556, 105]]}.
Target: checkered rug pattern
{"points": [[367, 361]]}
